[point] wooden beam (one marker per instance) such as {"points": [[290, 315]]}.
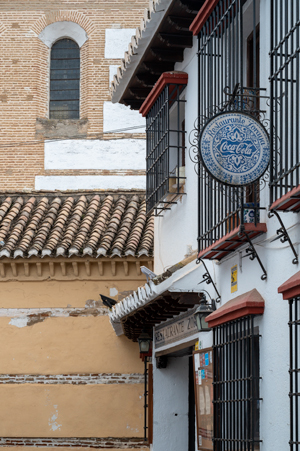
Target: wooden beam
{"points": [[156, 68], [177, 40], [147, 80], [180, 23], [191, 6], [168, 55], [139, 93]]}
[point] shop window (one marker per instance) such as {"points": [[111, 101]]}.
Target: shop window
{"points": [[294, 326], [165, 128], [236, 386], [64, 80]]}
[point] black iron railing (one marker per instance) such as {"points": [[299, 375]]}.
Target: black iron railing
{"points": [[165, 149], [236, 386], [285, 97], [294, 325], [228, 62]]}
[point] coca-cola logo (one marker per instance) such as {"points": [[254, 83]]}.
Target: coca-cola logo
{"points": [[234, 148]]}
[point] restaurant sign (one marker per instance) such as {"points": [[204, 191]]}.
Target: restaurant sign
{"points": [[175, 329], [235, 148]]}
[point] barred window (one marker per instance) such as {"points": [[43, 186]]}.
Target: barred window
{"points": [[228, 58], [285, 97], [294, 326], [165, 128], [236, 385], [64, 80]]}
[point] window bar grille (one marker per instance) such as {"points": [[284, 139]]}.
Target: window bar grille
{"points": [[236, 386], [165, 148], [294, 325], [285, 97], [221, 52]]}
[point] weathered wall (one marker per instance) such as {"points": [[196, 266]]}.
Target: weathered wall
{"points": [[103, 30], [65, 377]]}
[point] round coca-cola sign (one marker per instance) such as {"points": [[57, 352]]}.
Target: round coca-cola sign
{"points": [[235, 148]]}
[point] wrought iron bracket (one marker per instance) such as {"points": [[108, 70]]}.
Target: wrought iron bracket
{"points": [[283, 235], [252, 254], [208, 279]]}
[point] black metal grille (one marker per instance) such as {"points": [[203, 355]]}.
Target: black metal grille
{"points": [[64, 80], [236, 386], [227, 37], [294, 325], [165, 149], [285, 96]]}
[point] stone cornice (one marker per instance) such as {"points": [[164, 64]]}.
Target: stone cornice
{"points": [[61, 268]]}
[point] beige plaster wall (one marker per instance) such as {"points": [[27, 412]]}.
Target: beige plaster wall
{"points": [[61, 345], [66, 345], [71, 411], [52, 293]]}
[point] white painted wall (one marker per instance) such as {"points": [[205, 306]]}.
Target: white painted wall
{"points": [[112, 72], [170, 407], [177, 229], [95, 154], [97, 182], [117, 117], [117, 41], [64, 29]]}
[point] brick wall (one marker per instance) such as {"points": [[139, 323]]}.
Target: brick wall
{"points": [[24, 75]]}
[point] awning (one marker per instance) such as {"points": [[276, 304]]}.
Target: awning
{"points": [[250, 303], [166, 296], [291, 288], [288, 202], [232, 241]]}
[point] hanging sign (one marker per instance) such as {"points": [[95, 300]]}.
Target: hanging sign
{"points": [[235, 148]]}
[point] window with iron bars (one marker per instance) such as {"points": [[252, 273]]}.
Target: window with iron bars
{"points": [[285, 97], [165, 131], [294, 326], [228, 57], [236, 386]]}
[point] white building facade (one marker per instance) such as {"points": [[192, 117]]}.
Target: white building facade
{"points": [[190, 66]]}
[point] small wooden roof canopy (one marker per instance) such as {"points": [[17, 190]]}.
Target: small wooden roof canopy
{"points": [[162, 308], [166, 48]]}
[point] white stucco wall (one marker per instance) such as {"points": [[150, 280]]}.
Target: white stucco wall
{"points": [[97, 182], [112, 72], [177, 229], [95, 154], [170, 407], [117, 41], [117, 117], [64, 29]]}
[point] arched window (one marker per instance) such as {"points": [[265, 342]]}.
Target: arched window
{"points": [[64, 80]]}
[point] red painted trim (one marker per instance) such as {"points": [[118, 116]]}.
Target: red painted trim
{"points": [[167, 78], [202, 16], [222, 242], [285, 202], [291, 288], [250, 303]]}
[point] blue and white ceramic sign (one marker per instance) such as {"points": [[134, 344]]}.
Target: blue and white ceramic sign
{"points": [[235, 148]]}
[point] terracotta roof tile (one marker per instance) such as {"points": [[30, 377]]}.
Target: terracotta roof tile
{"points": [[95, 225]]}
